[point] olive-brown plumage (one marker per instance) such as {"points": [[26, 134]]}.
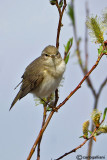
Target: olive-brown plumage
{"points": [[43, 75]]}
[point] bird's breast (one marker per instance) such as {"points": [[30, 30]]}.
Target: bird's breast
{"points": [[56, 70]]}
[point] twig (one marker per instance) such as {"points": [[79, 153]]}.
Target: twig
{"points": [[60, 21], [84, 69], [38, 140], [79, 85], [56, 97], [81, 145], [99, 92], [95, 107], [86, 39], [59, 106], [44, 118]]}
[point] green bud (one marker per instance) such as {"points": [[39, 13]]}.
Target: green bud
{"points": [[85, 128]]}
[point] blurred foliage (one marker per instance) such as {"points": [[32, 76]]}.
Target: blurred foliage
{"points": [[67, 48], [71, 12]]}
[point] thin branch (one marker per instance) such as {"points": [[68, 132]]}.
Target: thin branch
{"points": [[95, 107], [56, 97], [38, 140], [44, 118], [60, 21], [57, 5], [79, 85], [84, 69], [101, 87], [59, 106], [86, 39], [81, 145]]}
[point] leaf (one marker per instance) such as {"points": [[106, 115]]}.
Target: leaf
{"points": [[105, 51], [90, 131], [67, 58], [71, 13], [49, 109], [100, 50], [104, 114], [67, 48], [61, 3], [68, 45]]}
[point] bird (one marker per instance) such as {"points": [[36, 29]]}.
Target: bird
{"points": [[42, 76]]}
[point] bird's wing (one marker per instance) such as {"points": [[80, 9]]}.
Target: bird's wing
{"points": [[29, 85], [32, 77]]}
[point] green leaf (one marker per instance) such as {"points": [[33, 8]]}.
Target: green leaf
{"points": [[61, 3], [104, 114], [49, 109], [100, 50], [67, 48], [90, 131], [71, 13], [68, 45], [105, 51], [67, 58]]}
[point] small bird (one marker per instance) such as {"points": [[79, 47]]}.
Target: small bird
{"points": [[42, 76]]}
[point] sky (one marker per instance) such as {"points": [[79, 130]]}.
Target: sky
{"points": [[26, 28]]}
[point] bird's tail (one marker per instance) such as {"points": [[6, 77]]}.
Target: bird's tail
{"points": [[15, 99]]}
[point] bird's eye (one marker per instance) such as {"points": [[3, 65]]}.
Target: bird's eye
{"points": [[46, 55]]}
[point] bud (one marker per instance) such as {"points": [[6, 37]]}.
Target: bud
{"points": [[52, 2], [94, 138], [85, 128], [96, 117], [102, 129], [96, 27]]}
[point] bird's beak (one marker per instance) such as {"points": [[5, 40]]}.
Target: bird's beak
{"points": [[53, 59], [53, 56]]}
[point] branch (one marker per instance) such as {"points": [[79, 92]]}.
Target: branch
{"points": [[84, 69], [44, 125], [86, 39], [95, 107], [81, 145], [60, 21], [44, 118], [59, 106], [79, 85]]}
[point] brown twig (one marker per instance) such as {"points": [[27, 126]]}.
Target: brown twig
{"points": [[44, 118], [79, 85], [81, 145], [86, 39], [44, 125], [56, 97], [60, 21], [84, 69], [95, 107], [59, 106]]}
